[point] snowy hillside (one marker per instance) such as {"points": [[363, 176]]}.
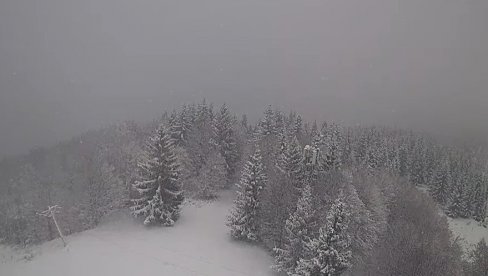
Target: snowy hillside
{"points": [[199, 244], [468, 230]]}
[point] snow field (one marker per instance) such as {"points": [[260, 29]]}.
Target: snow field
{"points": [[199, 244]]}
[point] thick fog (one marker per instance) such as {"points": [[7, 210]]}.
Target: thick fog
{"points": [[67, 66]]}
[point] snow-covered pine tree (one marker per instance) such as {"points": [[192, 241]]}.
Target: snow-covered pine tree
{"points": [[441, 182], [279, 121], [297, 127], [429, 161], [290, 120], [347, 153], [201, 112], [187, 171], [313, 163], [197, 145], [329, 254], [268, 125], [175, 128], [300, 228], [204, 113], [244, 123], [361, 145], [290, 162], [392, 158], [478, 197], [243, 218], [478, 260], [417, 167], [468, 181], [186, 120], [333, 147], [225, 140], [315, 135], [192, 115], [458, 206], [324, 128], [212, 176], [363, 228], [160, 194], [104, 188], [372, 162], [284, 139], [307, 130]]}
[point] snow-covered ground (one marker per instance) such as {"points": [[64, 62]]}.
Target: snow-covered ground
{"points": [[469, 230], [199, 244]]}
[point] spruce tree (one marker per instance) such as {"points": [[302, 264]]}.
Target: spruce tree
{"points": [[268, 125], [284, 140], [186, 119], [372, 162], [417, 167], [160, 194], [429, 162], [243, 219], [297, 127], [278, 121], [202, 113], [175, 128], [244, 123], [478, 264], [192, 115], [458, 206], [329, 254], [212, 176], [291, 161], [441, 183], [313, 163], [299, 227], [479, 197], [225, 140], [315, 135], [392, 161], [333, 148]]}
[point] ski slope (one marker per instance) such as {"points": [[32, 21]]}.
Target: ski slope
{"points": [[199, 244]]}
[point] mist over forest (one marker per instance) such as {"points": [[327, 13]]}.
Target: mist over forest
{"points": [[71, 66], [252, 137]]}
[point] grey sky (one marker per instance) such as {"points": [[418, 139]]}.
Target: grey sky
{"points": [[67, 66]]}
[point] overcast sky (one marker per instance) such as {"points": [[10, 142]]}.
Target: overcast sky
{"points": [[69, 65]]}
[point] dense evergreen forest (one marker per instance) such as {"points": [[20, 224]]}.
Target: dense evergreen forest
{"points": [[324, 199]]}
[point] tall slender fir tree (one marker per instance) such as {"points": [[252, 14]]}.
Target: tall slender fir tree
{"points": [[329, 254], [225, 140], [291, 162], [159, 192], [299, 227], [243, 219], [441, 183]]}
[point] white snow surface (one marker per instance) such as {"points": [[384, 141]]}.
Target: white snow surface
{"points": [[468, 230], [198, 244]]}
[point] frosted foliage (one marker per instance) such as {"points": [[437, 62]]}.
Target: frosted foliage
{"points": [[300, 228], [329, 254], [243, 219], [160, 194]]}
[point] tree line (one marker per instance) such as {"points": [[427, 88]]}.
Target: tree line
{"points": [[324, 199]]}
